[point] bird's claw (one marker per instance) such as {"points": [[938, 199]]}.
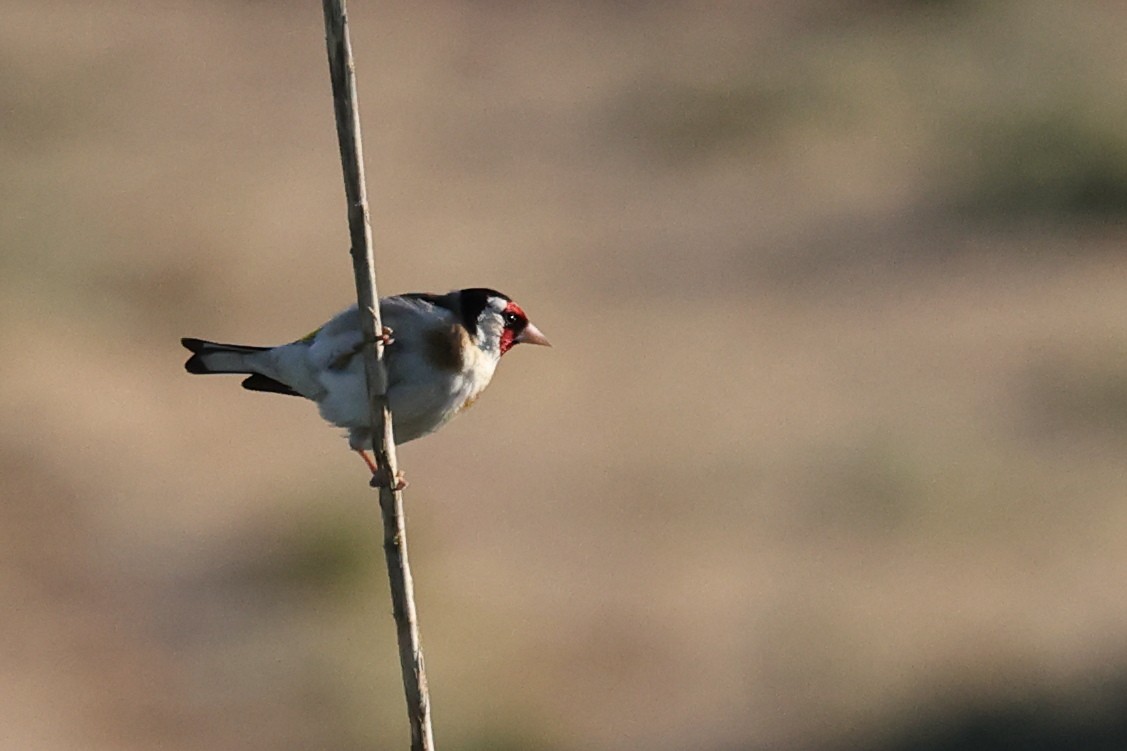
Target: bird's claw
{"points": [[384, 337]]}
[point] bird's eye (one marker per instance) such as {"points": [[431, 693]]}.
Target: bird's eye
{"points": [[510, 318]]}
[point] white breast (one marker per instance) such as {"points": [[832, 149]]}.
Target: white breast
{"points": [[427, 399]]}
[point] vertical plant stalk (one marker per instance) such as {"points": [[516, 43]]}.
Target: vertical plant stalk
{"points": [[343, 73]]}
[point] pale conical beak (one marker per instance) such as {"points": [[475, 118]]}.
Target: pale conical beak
{"points": [[532, 335]]}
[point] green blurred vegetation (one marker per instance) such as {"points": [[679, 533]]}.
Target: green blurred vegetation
{"points": [[1076, 396], [329, 553], [1056, 165], [1094, 719], [1005, 118]]}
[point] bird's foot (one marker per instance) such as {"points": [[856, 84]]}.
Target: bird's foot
{"points": [[385, 336], [379, 475], [380, 479]]}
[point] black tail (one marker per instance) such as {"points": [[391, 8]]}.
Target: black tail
{"points": [[212, 357], [200, 348]]}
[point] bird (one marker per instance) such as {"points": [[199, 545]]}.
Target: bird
{"points": [[440, 352]]}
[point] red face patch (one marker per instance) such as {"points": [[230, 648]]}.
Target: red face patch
{"points": [[515, 321]]}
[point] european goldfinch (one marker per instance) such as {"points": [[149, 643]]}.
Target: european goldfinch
{"points": [[441, 353]]}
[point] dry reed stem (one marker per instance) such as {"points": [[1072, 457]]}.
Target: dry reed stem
{"points": [[343, 73]]}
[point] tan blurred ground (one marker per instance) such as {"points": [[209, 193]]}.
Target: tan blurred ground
{"points": [[832, 434]]}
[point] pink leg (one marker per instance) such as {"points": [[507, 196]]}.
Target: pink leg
{"points": [[367, 460]]}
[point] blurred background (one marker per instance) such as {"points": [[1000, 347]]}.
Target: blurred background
{"points": [[828, 454]]}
